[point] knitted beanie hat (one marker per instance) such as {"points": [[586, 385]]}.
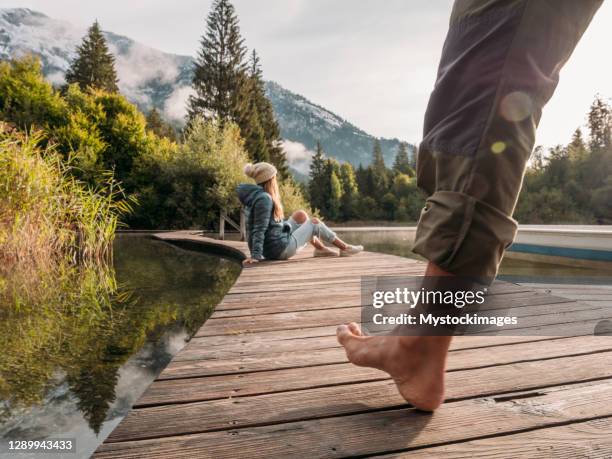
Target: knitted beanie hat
{"points": [[260, 172]]}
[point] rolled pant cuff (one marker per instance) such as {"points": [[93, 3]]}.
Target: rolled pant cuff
{"points": [[463, 235]]}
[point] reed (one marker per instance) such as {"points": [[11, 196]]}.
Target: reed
{"points": [[46, 214]]}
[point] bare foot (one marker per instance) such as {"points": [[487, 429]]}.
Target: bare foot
{"points": [[416, 363]]}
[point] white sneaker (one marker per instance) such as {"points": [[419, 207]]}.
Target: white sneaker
{"points": [[351, 250], [326, 252]]}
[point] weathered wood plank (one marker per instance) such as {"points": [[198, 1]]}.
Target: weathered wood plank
{"points": [[583, 440], [239, 385], [217, 347], [335, 301], [392, 430], [467, 358], [312, 403], [286, 321]]}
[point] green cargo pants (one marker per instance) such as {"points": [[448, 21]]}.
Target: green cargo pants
{"points": [[500, 65]]}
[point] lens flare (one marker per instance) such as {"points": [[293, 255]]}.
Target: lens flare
{"points": [[498, 147], [516, 106]]}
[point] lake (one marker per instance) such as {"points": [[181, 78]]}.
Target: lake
{"points": [[81, 345], [399, 241]]}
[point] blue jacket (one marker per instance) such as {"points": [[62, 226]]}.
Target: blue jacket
{"points": [[266, 237]]}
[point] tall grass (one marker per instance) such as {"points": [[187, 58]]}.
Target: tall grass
{"points": [[46, 214]]}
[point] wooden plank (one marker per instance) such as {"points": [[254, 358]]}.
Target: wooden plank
{"points": [[385, 431], [266, 288], [497, 288], [305, 276], [234, 300], [241, 385], [306, 338], [312, 403], [336, 301], [214, 348], [466, 358], [287, 321], [587, 440], [524, 306]]}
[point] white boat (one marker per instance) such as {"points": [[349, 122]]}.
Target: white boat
{"points": [[580, 245], [575, 245]]}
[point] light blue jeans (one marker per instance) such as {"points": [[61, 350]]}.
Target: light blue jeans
{"points": [[302, 234]]}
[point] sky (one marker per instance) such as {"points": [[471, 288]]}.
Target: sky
{"points": [[371, 62]]}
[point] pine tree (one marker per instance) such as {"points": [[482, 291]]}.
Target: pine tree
{"points": [[577, 148], [537, 159], [258, 123], [232, 89], [401, 164], [349, 191], [413, 158], [316, 186], [220, 69], [360, 176], [378, 160], [379, 173], [335, 195], [94, 65], [157, 125], [600, 125]]}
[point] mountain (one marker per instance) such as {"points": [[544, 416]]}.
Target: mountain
{"points": [[148, 77], [304, 122], [152, 78]]}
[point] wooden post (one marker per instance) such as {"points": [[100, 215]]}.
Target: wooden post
{"points": [[241, 227], [222, 225]]}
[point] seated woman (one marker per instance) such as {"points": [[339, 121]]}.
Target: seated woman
{"points": [[272, 238]]}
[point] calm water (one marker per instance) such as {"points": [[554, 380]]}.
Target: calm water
{"points": [[401, 242], [80, 346]]}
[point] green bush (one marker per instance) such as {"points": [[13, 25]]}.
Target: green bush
{"points": [[26, 99], [177, 185], [184, 186], [95, 130], [293, 198]]}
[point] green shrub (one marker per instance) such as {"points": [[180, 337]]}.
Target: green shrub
{"points": [[96, 131], [184, 186], [177, 185], [26, 99], [293, 198]]}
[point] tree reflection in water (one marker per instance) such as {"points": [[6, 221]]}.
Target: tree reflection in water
{"points": [[69, 330]]}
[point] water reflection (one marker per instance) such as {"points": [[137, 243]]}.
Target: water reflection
{"points": [[80, 346]]}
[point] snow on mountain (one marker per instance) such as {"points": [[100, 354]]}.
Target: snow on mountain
{"points": [[147, 77], [152, 78]]}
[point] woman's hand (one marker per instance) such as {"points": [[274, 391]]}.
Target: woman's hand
{"points": [[249, 261]]}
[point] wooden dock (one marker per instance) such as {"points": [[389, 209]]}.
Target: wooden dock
{"points": [[265, 377]]}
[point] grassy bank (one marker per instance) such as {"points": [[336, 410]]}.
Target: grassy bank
{"points": [[45, 212]]}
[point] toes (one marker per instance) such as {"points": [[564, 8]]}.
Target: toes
{"points": [[343, 333], [355, 329], [348, 333]]}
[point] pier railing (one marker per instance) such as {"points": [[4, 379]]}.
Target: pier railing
{"points": [[240, 227]]}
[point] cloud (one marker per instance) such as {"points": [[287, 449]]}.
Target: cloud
{"points": [[373, 65], [56, 78], [298, 156], [141, 64], [175, 107]]}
